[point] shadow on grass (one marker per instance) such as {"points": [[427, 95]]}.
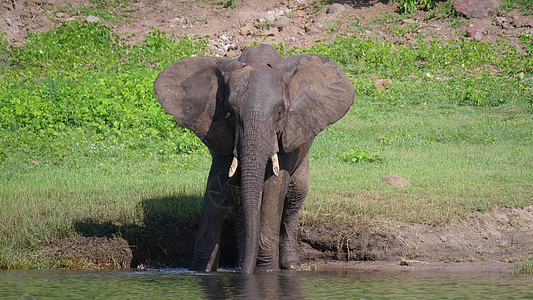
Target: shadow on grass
{"points": [[166, 237]]}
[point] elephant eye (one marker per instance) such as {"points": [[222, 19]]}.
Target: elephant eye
{"points": [[281, 113]]}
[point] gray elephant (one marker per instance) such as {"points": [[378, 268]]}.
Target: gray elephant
{"points": [[258, 115]]}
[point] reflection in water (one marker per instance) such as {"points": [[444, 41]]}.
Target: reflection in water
{"points": [[181, 284], [257, 286]]}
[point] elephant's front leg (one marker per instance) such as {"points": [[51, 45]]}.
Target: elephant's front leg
{"points": [[298, 188], [274, 192], [219, 196]]}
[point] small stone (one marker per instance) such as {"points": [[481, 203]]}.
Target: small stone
{"points": [[517, 22], [507, 26], [179, 20], [232, 54], [61, 14], [248, 29], [521, 21], [335, 8], [395, 180], [476, 32], [92, 19], [498, 21], [274, 13], [383, 84], [271, 32], [282, 22]]}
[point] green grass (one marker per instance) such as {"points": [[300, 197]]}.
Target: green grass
{"points": [[83, 141], [523, 5], [458, 162], [525, 267]]}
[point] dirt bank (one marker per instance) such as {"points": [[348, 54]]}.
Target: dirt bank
{"points": [[296, 24], [495, 239]]}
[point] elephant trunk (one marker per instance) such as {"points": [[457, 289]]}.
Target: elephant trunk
{"points": [[255, 153]]}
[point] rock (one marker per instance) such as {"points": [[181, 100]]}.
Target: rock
{"points": [[409, 21], [271, 32], [282, 22], [92, 19], [476, 32], [335, 8], [179, 20], [521, 21], [517, 22], [505, 23], [248, 29], [383, 84], [232, 54], [61, 15], [274, 13], [395, 180], [475, 8], [498, 21], [507, 26]]}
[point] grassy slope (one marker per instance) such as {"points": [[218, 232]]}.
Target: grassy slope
{"points": [[84, 141]]}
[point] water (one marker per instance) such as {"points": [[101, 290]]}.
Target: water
{"points": [[181, 284]]}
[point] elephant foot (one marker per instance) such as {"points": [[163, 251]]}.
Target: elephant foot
{"points": [[289, 260], [291, 266]]}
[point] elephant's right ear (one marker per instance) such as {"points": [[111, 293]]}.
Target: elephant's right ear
{"points": [[192, 90]]}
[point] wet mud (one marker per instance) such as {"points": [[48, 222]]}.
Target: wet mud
{"points": [[484, 241]]}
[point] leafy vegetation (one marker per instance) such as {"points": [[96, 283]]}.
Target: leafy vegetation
{"points": [[356, 155], [228, 3], [78, 90], [525, 5], [84, 141], [409, 6]]}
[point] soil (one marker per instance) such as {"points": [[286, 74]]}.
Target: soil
{"points": [[483, 241], [489, 241]]}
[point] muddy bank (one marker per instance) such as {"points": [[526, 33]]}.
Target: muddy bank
{"points": [[491, 240]]}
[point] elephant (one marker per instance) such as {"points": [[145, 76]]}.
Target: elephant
{"points": [[258, 114]]}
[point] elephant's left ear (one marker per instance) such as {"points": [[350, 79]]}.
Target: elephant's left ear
{"points": [[192, 90], [320, 94]]}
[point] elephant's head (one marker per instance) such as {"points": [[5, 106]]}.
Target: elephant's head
{"points": [[254, 108]]}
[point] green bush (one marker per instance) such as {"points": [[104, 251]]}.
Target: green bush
{"points": [[461, 72], [356, 155], [79, 85], [409, 6], [79, 89]]}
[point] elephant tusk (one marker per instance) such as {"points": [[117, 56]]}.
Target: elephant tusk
{"points": [[275, 164], [233, 167]]}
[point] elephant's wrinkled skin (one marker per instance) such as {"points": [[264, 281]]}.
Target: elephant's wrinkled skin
{"points": [[259, 115]]}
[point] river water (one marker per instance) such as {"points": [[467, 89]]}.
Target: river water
{"points": [[181, 284]]}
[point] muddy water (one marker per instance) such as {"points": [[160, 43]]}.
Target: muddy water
{"points": [[180, 284]]}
